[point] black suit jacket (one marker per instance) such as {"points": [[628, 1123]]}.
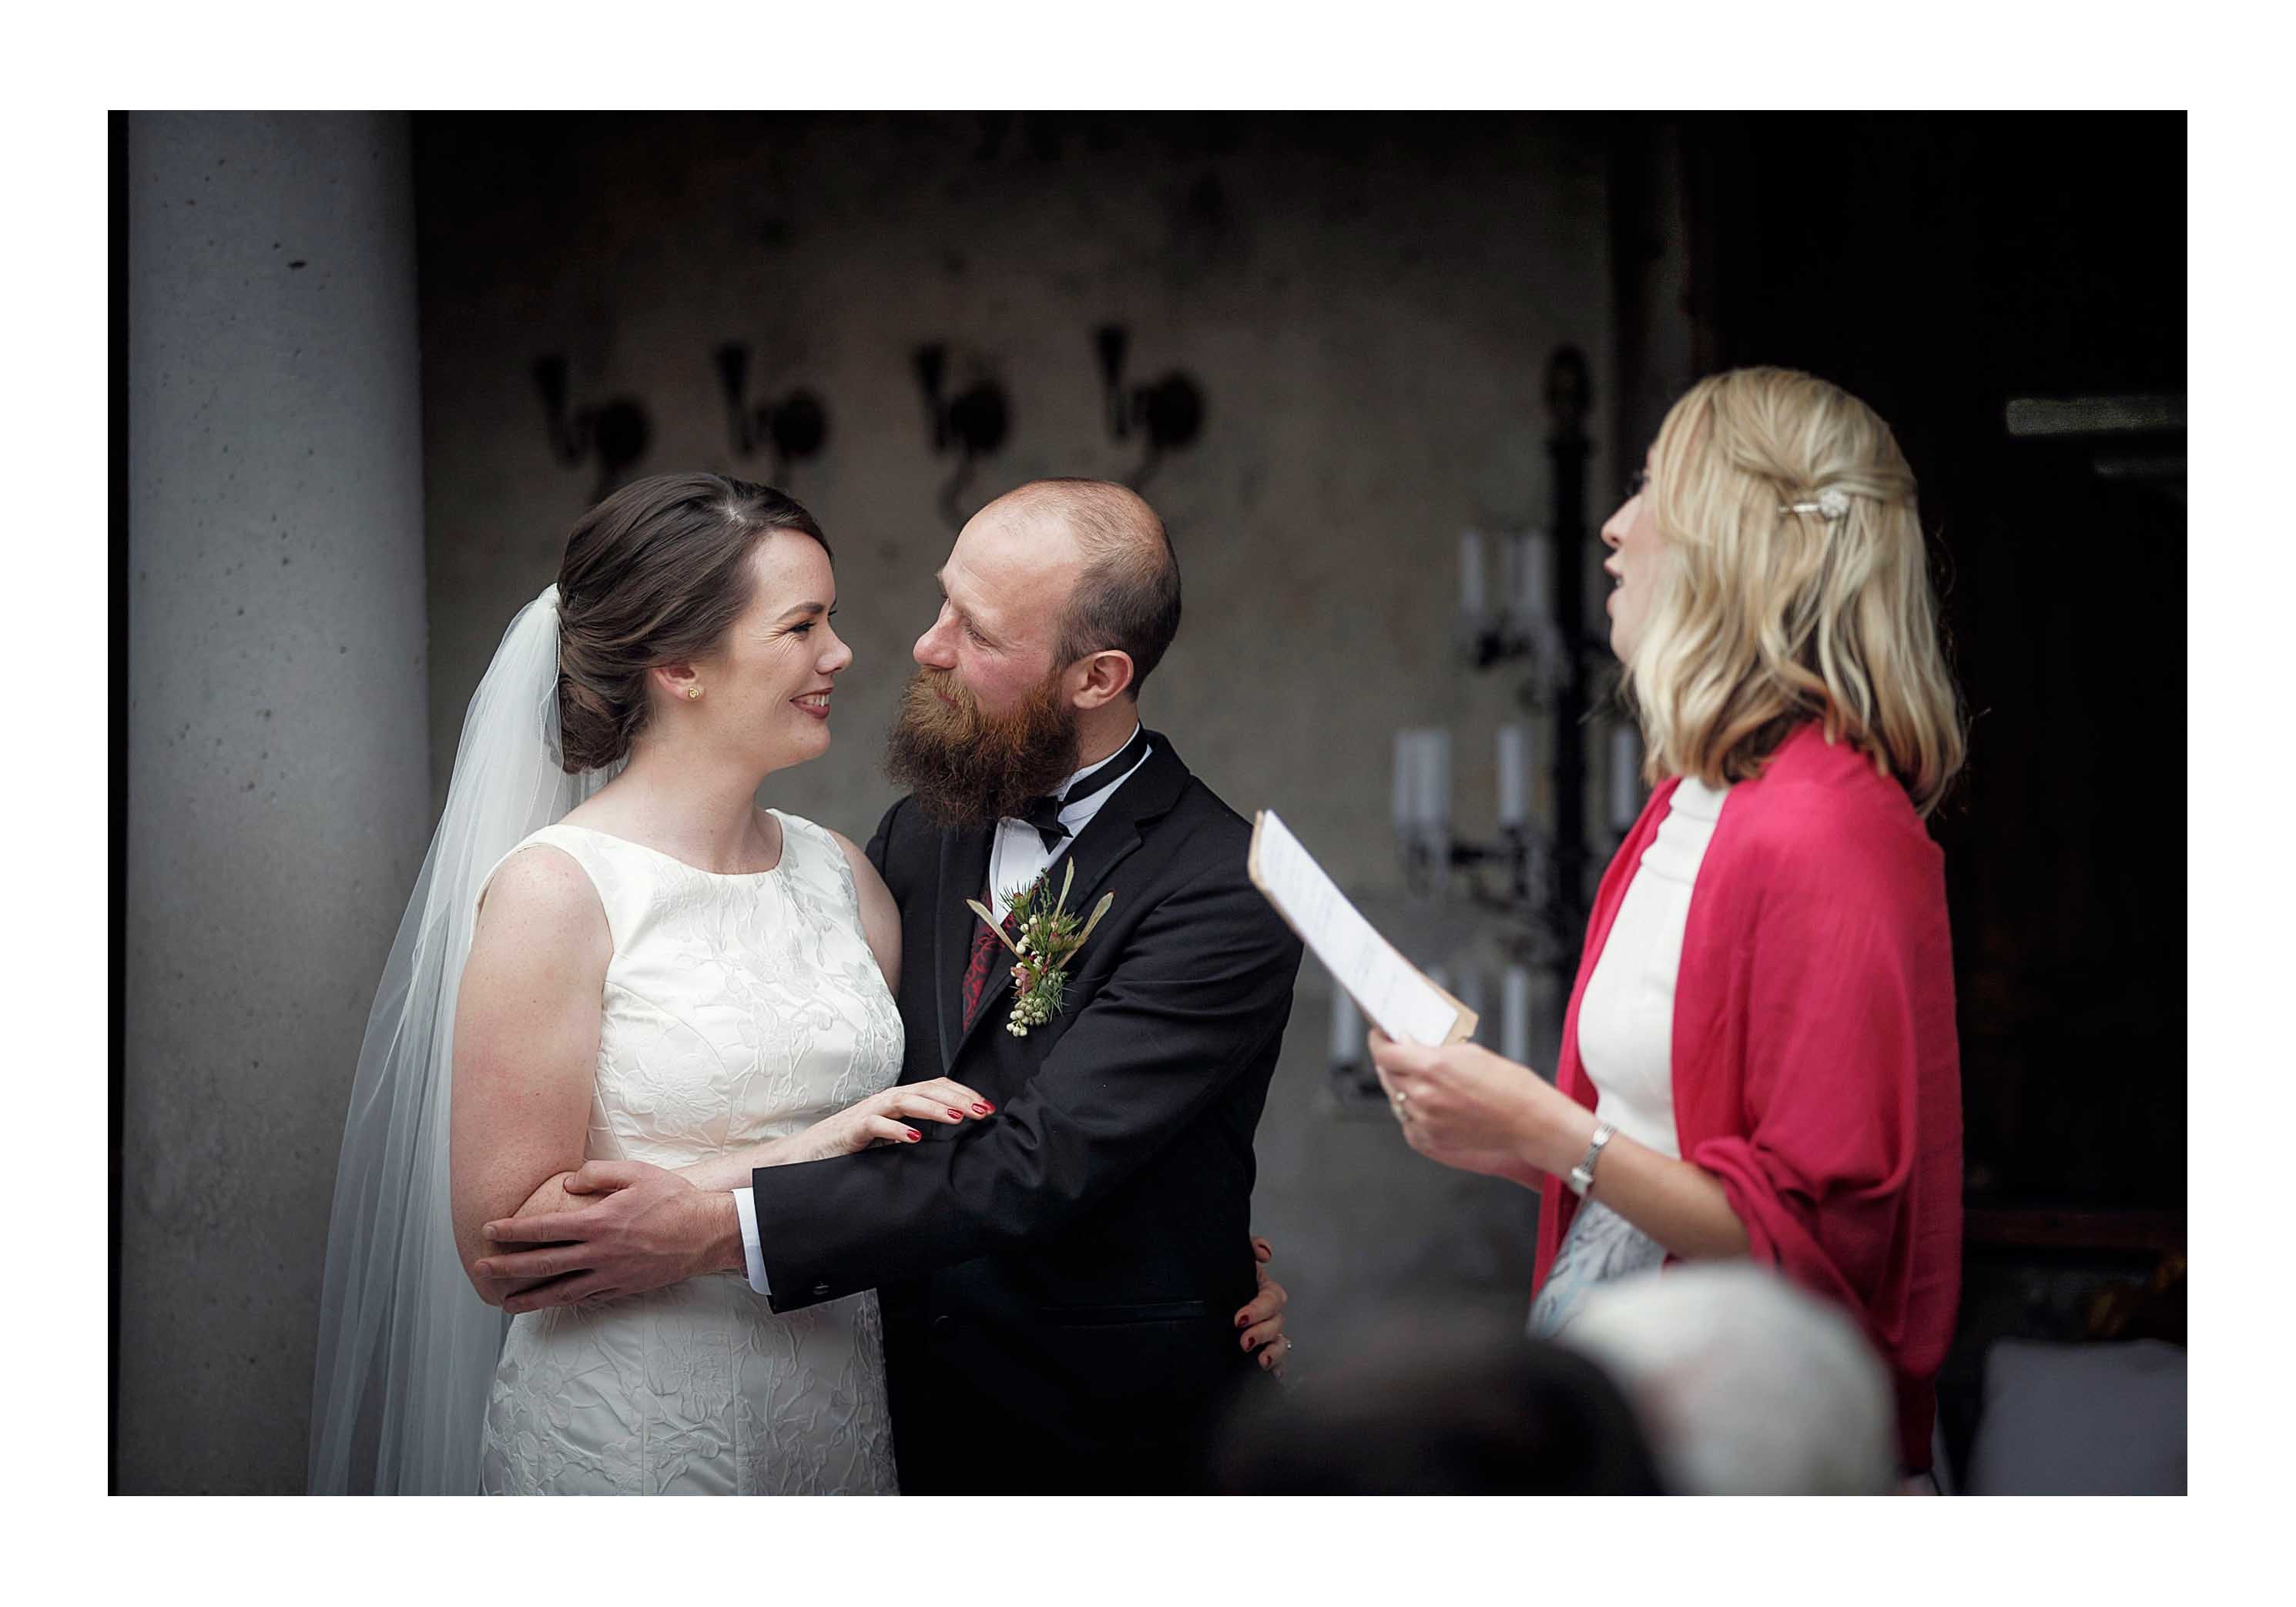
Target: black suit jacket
{"points": [[1060, 1280]]}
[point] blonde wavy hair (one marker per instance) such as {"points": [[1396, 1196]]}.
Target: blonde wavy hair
{"points": [[1763, 617]]}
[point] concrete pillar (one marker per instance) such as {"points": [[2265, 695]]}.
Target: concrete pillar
{"points": [[278, 772]]}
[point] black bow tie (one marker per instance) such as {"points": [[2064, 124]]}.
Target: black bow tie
{"points": [[1044, 813]]}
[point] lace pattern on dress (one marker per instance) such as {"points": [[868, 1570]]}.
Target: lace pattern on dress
{"points": [[736, 1009]]}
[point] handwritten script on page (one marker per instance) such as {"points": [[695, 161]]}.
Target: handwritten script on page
{"points": [[1393, 991]]}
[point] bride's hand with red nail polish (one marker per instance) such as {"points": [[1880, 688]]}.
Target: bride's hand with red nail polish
{"points": [[884, 1118]]}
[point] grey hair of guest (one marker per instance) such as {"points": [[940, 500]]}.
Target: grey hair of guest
{"points": [[1745, 1384]]}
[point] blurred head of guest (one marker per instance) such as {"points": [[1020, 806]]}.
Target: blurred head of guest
{"points": [[1746, 1385], [1057, 600], [1437, 1405], [1768, 569]]}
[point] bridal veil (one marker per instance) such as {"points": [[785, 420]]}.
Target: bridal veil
{"points": [[406, 1349]]}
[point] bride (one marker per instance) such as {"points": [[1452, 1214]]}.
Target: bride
{"points": [[620, 956]]}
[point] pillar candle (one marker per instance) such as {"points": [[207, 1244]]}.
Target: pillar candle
{"points": [[1348, 1036], [1511, 742], [1514, 1015], [1626, 777], [1434, 810], [1470, 575], [1535, 575], [1406, 781]]}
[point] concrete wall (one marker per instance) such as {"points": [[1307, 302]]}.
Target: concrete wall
{"points": [[1369, 311], [1368, 304], [277, 769]]}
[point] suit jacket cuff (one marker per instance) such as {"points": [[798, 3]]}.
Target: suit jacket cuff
{"points": [[753, 1256]]}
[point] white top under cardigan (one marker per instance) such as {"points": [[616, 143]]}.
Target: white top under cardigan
{"points": [[1625, 1018]]}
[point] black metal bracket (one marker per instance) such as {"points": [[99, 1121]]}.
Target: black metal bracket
{"points": [[616, 432], [797, 424], [1570, 396], [974, 424], [1170, 411]]}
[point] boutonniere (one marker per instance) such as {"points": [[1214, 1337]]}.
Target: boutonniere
{"points": [[1048, 939]]}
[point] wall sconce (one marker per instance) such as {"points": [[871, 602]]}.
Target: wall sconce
{"points": [[1170, 412], [797, 424], [1515, 620], [1541, 891], [617, 430], [974, 424]]}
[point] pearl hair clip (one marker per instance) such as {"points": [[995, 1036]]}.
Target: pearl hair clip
{"points": [[1833, 503]]}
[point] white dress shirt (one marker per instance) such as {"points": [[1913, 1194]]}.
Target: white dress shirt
{"points": [[1017, 856]]}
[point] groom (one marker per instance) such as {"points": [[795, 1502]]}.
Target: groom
{"points": [[1059, 1281]]}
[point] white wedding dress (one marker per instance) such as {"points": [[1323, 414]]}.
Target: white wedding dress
{"points": [[737, 1009]]}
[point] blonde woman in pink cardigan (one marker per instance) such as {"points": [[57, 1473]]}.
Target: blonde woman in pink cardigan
{"points": [[1760, 1056]]}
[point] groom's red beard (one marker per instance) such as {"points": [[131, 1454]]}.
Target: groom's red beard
{"points": [[967, 768]]}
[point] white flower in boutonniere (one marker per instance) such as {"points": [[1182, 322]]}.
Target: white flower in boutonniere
{"points": [[1049, 937]]}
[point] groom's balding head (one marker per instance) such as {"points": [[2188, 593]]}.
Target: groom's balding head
{"points": [[1125, 591], [1057, 602]]}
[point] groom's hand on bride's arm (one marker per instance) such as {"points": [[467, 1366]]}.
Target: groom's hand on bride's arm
{"points": [[648, 1228]]}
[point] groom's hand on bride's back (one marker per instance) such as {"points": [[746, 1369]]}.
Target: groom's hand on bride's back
{"points": [[648, 1228], [1262, 1319]]}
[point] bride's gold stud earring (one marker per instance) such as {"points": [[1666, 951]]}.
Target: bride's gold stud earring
{"points": [[693, 692]]}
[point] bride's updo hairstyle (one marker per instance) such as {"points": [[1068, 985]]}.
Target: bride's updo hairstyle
{"points": [[656, 574], [1794, 586]]}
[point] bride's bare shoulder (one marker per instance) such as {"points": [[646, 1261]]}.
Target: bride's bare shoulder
{"points": [[541, 892]]}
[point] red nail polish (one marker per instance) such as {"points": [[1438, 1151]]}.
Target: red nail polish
{"points": [[913, 1133], [986, 1108]]}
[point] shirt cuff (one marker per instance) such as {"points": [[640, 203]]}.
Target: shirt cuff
{"points": [[753, 1256]]}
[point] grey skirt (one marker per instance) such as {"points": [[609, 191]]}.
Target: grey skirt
{"points": [[1600, 1248]]}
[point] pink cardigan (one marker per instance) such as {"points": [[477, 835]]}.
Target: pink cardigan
{"points": [[1817, 1072]]}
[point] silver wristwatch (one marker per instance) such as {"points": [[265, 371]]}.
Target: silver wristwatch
{"points": [[1582, 1176]]}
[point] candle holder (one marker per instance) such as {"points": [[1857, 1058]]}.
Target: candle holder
{"points": [[1531, 877], [1423, 809], [1520, 626], [1351, 1085]]}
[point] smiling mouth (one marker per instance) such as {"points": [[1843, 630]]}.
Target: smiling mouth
{"points": [[813, 699]]}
